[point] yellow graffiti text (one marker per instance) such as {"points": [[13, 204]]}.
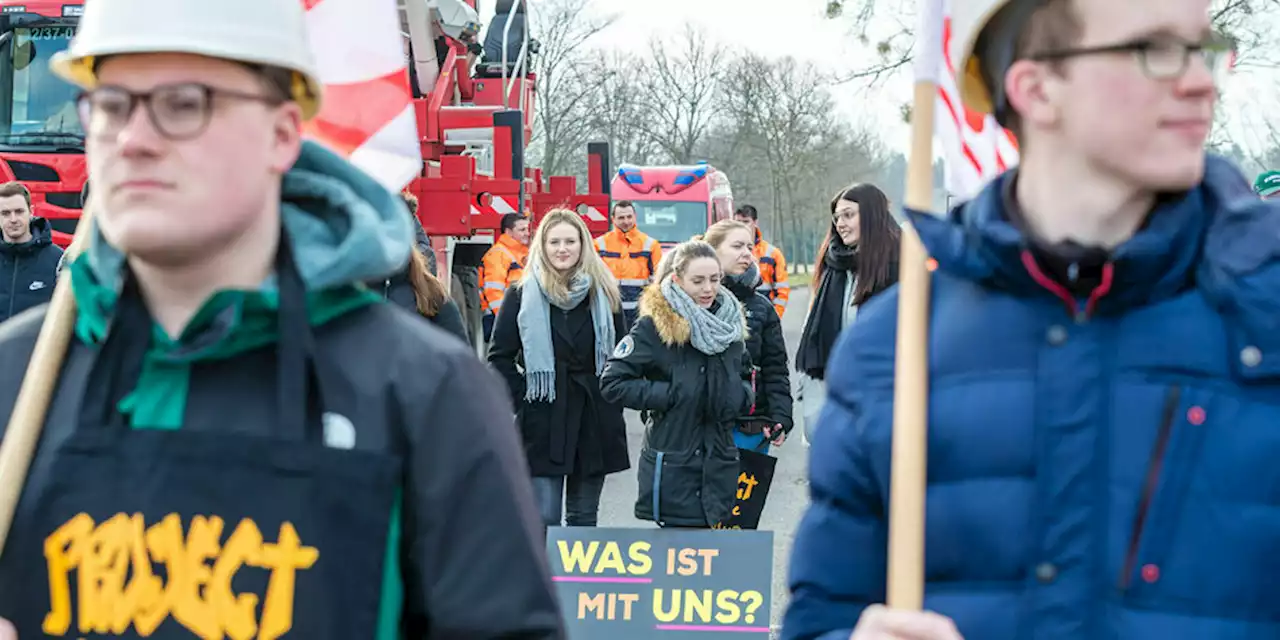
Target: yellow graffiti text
{"points": [[116, 586]]}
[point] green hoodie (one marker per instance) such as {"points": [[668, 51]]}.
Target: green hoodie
{"points": [[345, 228]]}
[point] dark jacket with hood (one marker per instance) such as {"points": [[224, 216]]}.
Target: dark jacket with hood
{"points": [[688, 470], [28, 271], [399, 290], [579, 432], [470, 561], [767, 349], [1101, 466]]}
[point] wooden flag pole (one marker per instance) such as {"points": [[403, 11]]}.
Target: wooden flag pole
{"points": [[911, 373], [32, 405]]}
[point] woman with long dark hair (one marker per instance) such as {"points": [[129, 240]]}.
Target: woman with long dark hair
{"points": [[551, 339], [857, 260]]}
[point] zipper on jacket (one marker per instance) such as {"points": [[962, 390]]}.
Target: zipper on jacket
{"points": [[1152, 480]]}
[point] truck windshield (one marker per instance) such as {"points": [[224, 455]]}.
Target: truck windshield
{"points": [[671, 221], [37, 108]]}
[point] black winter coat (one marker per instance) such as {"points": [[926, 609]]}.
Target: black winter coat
{"points": [[688, 469], [399, 290], [28, 271], [768, 351], [580, 432]]}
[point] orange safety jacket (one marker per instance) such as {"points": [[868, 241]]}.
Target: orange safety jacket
{"points": [[633, 258], [500, 268], [773, 274]]}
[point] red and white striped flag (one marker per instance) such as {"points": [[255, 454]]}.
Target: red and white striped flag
{"points": [[368, 111], [975, 148]]}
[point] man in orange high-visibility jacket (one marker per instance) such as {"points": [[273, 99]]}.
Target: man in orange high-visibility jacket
{"points": [[502, 266], [632, 256], [773, 266]]}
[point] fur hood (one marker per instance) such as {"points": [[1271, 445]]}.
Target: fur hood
{"points": [[672, 328]]}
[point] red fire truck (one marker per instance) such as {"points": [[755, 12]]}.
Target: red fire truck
{"points": [[41, 140], [673, 203], [474, 125]]}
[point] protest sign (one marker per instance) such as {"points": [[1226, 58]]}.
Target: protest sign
{"points": [[754, 480], [625, 584]]}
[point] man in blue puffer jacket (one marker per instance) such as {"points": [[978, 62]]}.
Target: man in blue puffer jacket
{"points": [[1104, 362]]}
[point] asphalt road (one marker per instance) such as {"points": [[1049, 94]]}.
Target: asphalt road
{"points": [[787, 498]]}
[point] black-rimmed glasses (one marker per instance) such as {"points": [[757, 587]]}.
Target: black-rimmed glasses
{"points": [[1164, 58], [177, 111]]}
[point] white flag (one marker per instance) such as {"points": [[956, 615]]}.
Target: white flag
{"points": [[975, 147]]}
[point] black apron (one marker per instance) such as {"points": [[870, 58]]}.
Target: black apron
{"points": [[181, 534]]}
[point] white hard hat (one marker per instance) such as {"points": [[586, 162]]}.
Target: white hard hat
{"points": [[968, 19], [259, 32]]}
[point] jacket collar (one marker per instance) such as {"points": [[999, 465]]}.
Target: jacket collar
{"points": [[513, 246], [977, 241], [634, 237]]}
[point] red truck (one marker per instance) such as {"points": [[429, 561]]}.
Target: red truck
{"points": [[41, 140], [674, 202], [473, 125]]}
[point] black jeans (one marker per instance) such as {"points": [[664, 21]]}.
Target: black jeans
{"points": [[576, 497]]}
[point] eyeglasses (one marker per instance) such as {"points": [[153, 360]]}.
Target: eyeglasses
{"points": [[1164, 58], [845, 216], [178, 111]]}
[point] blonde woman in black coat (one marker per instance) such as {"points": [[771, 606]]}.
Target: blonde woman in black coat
{"points": [[551, 339]]}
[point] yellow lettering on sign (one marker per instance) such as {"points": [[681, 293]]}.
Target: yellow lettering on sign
{"points": [[744, 493], [116, 585]]}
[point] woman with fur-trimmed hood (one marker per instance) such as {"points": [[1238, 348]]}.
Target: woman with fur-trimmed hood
{"points": [[685, 367]]}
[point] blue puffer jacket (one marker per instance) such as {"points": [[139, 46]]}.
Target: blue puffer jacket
{"points": [[1112, 475]]}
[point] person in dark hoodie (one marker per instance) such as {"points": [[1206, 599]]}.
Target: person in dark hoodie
{"points": [[237, 412], [552, 336], [685, 367], [769, 421], [857, 260], [1103, 361], [28, 257]]}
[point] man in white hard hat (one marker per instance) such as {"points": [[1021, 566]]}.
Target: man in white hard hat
{"points": [[1104, 361], [245, 441]]}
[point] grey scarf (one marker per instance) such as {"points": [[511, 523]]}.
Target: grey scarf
{"points": [[534, 321], [710, 333]]}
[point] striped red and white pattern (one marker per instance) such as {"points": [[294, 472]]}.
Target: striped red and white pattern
{"points": [[975, 148], [368, 107]]}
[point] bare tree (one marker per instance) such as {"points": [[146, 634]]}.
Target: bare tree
{"points": [[617, 112], [888, 27], [680, 91], [786, 137], [562, 127]]}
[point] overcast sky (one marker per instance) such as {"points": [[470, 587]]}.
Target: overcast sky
{"points": [[802, 30]]}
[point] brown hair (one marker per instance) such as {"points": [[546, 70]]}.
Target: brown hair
{"points": [[620, 204], [15, 189], [555, 285], [410, 201], [677, 260], [719, 232], [428, 291], [1054, 26], [879, 240]]}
